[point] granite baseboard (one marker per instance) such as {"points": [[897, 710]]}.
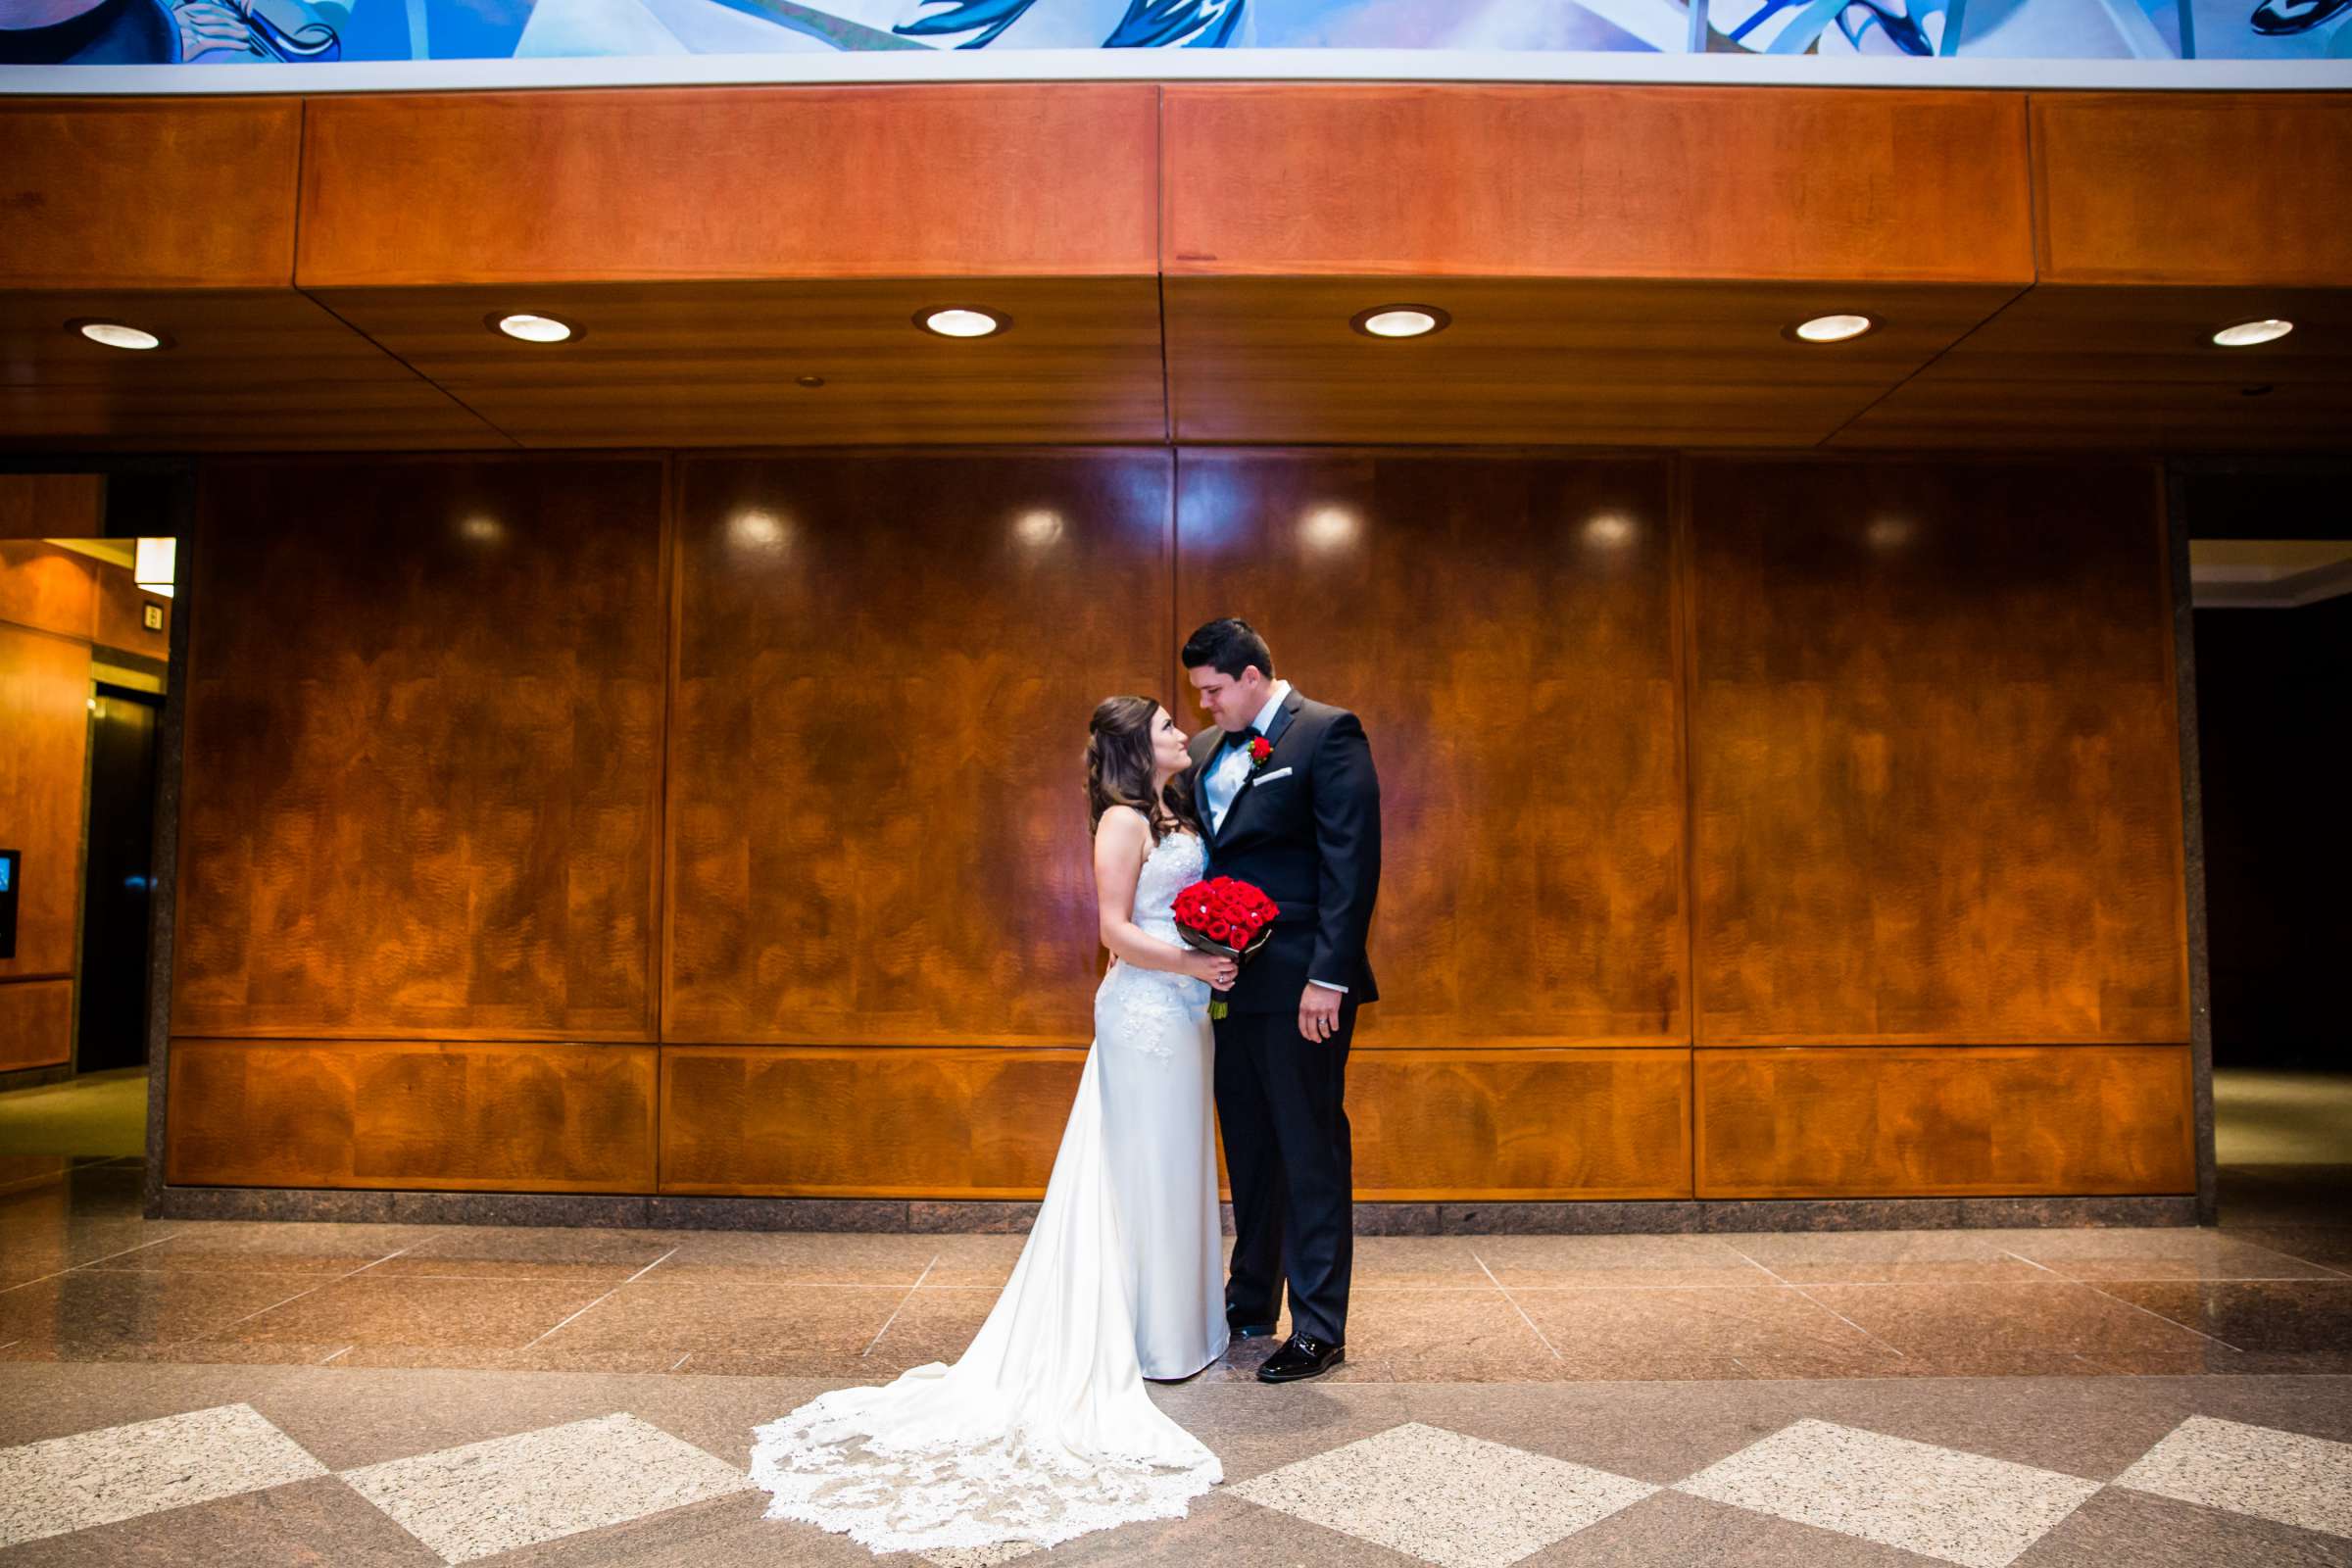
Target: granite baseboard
{"points": [[883, 1214], [1660, 1216], [272, 1202]]}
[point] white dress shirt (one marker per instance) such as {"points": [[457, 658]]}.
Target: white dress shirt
{"points": [[1222, 784]]}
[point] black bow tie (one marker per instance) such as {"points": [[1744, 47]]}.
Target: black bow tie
{"points": [[1248, 734]]}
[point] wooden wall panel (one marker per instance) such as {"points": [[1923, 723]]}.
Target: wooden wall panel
{"points": [[543, 1117], [1596, 181], [790, 1121], [1504, 627], [872, 1123], [966, 181], [1520, 1124], [885, 668], [2213, 188], [48, 589], [424, 755], [159, 192], [44, 716], [1936, 772], [121, 622], [37, 1022], [52, 506], [1934, 767], [1854, 1122]]}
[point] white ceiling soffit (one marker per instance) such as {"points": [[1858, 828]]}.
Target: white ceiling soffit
{"points": [[2268, 574], [122, 553]]}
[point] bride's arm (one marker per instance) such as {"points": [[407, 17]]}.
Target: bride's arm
{"points": [[1122, 840]]}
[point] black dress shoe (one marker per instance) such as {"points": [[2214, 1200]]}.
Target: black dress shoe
{"points": [[1249, 1331], [1301, 1358]]}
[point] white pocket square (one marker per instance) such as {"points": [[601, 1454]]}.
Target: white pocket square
{"points": [[1268, 778]]}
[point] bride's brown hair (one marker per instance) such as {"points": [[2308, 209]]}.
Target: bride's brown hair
{"points": [[1118, 768]]}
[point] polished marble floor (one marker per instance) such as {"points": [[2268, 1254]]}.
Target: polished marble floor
{"points": [[219, 1392]]}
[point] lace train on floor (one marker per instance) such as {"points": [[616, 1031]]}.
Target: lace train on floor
{"points": [[825, 1467], [1042, 1430]]}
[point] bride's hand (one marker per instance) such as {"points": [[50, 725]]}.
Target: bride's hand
{"points": [[1213, 967]]}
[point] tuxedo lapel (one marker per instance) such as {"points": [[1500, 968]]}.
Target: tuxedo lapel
{"points": [[1281, 721]]}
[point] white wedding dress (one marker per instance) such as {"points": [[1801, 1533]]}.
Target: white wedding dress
{"points": [[1042, 1430]]}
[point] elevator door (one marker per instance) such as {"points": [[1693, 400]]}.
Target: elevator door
{"points": [[115, 897]]}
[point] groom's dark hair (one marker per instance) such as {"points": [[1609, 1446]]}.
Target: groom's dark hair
{"points": [[1231, 646]]}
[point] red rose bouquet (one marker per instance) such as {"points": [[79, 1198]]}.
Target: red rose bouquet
{"points": [[1224, 916]]}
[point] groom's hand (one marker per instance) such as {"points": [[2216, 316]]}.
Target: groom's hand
{"points": [[1318, 1012]]}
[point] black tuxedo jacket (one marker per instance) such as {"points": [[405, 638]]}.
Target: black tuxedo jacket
{"points": [[1305, 829]]}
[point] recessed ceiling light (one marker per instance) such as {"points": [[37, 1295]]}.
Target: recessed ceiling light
{"points": [[1832, 328], [808, 381], [532, 326], [1400, 321], [118, 335], [960, 321], [2245, 334]]}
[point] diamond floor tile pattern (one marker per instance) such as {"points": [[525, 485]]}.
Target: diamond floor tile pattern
{"points": [[1457, 1502]]}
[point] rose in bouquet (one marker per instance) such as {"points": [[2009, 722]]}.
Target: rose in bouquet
{"points": [[1224, 916]]}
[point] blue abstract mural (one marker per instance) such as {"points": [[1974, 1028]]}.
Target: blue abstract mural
{"points": [[198, 32]]}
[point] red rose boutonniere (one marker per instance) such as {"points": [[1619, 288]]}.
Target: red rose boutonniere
{"points": [[1259, 749]]}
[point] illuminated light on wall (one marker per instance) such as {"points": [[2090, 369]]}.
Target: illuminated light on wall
{"points": [[1330, 527], [1609, 532], [1037, 527], [153, 567], [758, 532]]}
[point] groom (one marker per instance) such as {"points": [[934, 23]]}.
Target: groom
{"points": [[1286, 790]]}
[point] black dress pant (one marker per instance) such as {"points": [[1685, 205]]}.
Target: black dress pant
{"points": [[1287, 1153]]}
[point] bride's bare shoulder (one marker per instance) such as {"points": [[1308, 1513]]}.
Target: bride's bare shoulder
{"points": [[1122, 828]]}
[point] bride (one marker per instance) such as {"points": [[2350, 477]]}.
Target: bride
{"points": [[1042, 1430]]}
